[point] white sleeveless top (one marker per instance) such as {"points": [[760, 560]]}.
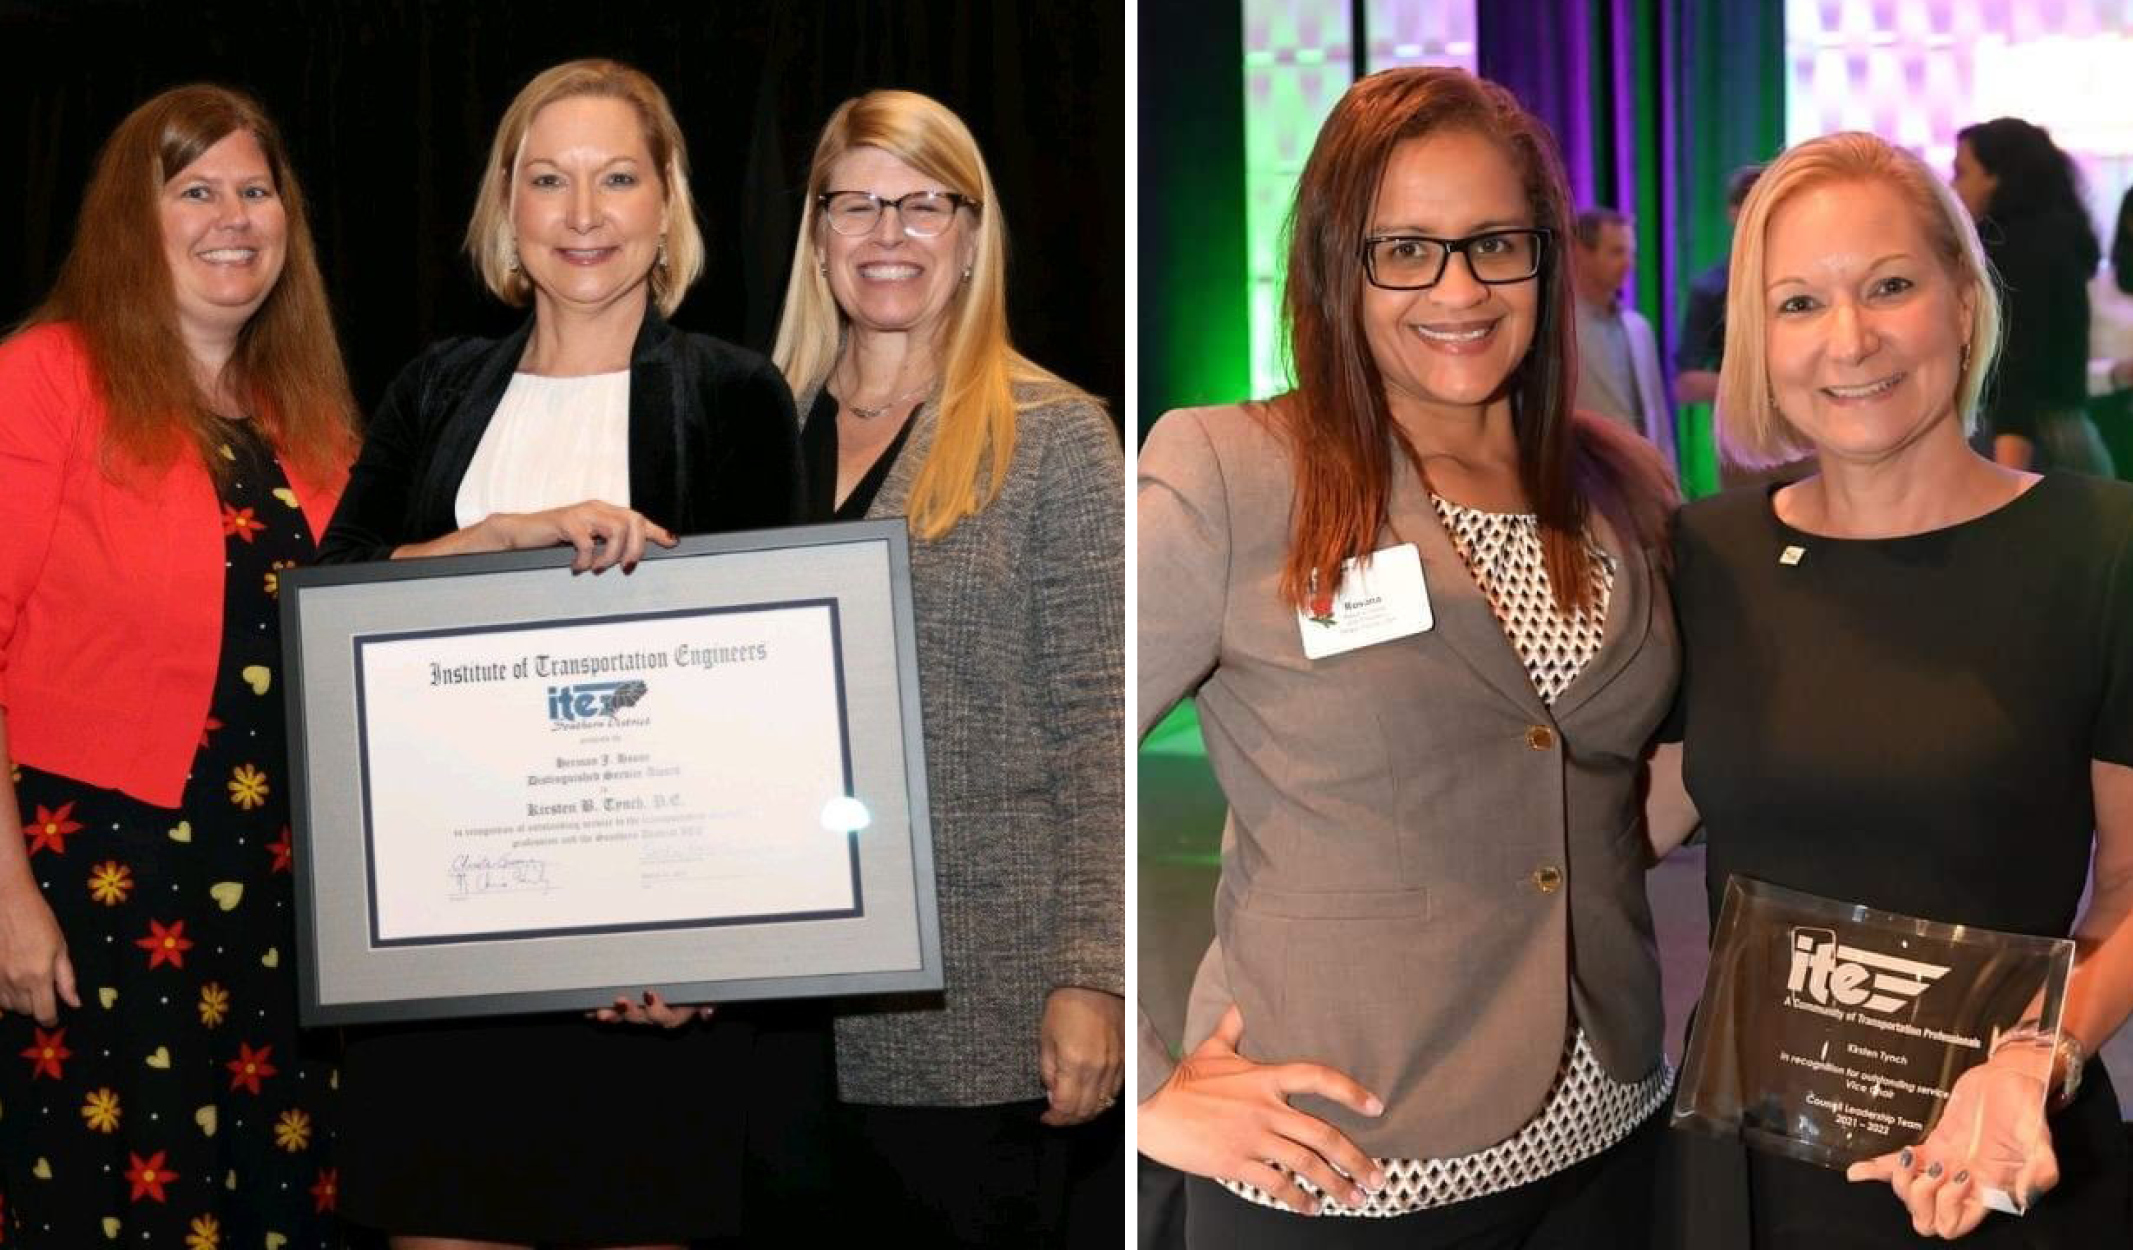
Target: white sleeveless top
{"points": [[552, 442], [1587, 1110]]}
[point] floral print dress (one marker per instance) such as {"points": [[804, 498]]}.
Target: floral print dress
{"points": [[178, 1106]]}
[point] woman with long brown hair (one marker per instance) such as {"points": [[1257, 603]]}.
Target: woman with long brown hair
{"points": [[175, 426], [1418, 603]]}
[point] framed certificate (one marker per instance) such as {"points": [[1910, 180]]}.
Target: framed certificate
{"points": [[521, 789]]}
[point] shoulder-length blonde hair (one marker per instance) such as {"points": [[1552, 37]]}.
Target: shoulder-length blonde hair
{"points": [[489, 236], [1750, 427], [980, 369], [117, 291]]}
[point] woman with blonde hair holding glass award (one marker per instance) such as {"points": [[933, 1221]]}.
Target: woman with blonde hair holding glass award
{"points": [[1908, 681]]}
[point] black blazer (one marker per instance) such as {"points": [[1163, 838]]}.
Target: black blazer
{"points": [[714, 443]]}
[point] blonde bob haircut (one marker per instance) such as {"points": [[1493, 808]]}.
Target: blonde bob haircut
{"points": [[1750, 428], [490, 240], [981, 372]]}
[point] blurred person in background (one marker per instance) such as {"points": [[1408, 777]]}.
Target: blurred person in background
{"points": [[2025, 195]]}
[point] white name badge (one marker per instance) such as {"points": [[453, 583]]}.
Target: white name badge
{"points": [[1374, 603]]}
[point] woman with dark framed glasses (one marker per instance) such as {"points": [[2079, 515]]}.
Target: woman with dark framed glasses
{"points": [[1420, 605], [984, 1116]]}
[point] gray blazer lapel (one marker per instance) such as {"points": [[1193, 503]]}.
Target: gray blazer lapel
{"points": [[1629, 616], [1464, 619]]}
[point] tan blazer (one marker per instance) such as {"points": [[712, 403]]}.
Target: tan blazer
{"points": [[1425, 868]]}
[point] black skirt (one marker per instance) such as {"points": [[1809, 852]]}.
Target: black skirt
{"points": [[556, 1129]]}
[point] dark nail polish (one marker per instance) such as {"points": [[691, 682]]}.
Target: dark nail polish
{"points": [[1904, 1160], [1934, 1171], [1960, 1177]]}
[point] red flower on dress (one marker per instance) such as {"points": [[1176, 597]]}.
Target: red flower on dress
{"points": [[323, 1192], [165, 946], [250, 1067], [48, 1054], [149, 1175], [281, 851], [211, 726], [240, 522], [50, 829]]}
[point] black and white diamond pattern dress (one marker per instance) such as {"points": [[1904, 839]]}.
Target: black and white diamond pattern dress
{"points": [[1587, 1110]]}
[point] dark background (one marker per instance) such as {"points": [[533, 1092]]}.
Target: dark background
{"points": [[388, 107]]}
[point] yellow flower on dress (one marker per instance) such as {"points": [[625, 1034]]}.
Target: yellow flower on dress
{"points": [[214, 1004], [206, 1234], [274, 577], [248, 787], [101, 1111], [110, 882], [292, 1132]]}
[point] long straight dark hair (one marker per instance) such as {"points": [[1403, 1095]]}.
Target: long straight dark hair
{"points": [[1337, 419]]}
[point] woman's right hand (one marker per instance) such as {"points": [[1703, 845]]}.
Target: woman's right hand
{"points": [[1221, 1115], [35, 973], [603, 533]]}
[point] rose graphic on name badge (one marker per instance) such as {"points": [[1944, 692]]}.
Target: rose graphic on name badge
{"points": [[1321, 607]]}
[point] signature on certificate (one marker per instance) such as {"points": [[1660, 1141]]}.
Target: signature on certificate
{"points": [[497, 874]]}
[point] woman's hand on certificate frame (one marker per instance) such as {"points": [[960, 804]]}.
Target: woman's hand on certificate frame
{"points": [[649, 1008], [1222, 1115], [603, 534]]}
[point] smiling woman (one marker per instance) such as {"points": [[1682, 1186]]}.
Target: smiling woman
{"points": [[1914, 656], [174, 429], [1439, 584], [598, 426]]}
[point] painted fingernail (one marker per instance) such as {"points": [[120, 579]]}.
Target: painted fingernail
{"points": [[1375, 1106], [1904, 1160], [1960, 1177], [1934, 1170], [1376, 1181], [1356, 1197]]}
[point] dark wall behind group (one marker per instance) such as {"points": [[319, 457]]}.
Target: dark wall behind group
{"points": [[388, 107]]}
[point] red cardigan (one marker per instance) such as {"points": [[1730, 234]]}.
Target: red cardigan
{"points": [[110, 594]]}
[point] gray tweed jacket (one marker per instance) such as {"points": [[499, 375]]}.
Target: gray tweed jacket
{"points": [[1021, 662]]}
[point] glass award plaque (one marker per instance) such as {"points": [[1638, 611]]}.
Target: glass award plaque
{"points": [[1834, 1032]]}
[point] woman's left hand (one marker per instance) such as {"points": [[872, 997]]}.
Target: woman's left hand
{"points": [[652, 1010], [1081, 1053], [1992, 1134]]}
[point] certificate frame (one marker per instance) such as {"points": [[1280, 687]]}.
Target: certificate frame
{"points": [[380, 939]]}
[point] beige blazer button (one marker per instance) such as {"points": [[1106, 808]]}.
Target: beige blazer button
{"points": [[1548, 879], [1540, 737]]}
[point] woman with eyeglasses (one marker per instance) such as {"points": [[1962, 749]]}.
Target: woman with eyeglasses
{"points": [[598, 426], [962, 1110], [1421, 607]]}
